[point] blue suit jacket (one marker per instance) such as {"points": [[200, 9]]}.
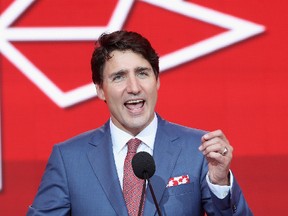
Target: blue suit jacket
{"points": [[81, 178]]}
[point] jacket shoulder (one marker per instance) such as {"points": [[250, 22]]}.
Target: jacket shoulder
{"points": [[88, 137], [180, 130]]}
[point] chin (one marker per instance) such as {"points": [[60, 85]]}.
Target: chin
{"points": [[138, 123]]}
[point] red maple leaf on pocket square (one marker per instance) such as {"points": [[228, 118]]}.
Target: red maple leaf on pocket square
{"points": [[175, 181]]}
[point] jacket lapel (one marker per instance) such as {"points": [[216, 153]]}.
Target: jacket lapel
{"points": [[102, 161], [166, 152]]}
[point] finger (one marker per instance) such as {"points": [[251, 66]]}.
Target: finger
{"points": [[213, 134], [219, 147], [211, 142], [218, 159], [212, 148], [215, 157], [216, 140]]}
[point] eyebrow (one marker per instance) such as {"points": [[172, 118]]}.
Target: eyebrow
{"points": [[124, 71], [120, 72], [138, 69]]}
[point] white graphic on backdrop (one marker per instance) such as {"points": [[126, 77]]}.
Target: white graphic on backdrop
{"points": [[237, 30]]}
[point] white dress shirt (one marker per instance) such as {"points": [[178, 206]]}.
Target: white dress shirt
{"points": [[120, 138], [147, 136]]}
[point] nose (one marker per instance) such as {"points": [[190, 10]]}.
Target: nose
{"points": [[133, 86]]}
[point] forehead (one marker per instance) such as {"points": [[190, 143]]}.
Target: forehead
{"points": [[125, 60]]}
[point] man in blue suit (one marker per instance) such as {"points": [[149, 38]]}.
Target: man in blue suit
{"points": [[84, 175]]}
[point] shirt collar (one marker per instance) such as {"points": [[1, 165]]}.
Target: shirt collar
{"points": [[120, 137]]}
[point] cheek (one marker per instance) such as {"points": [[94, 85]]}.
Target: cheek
{"points": [[154, 90], [114, 97], [153, 95]]}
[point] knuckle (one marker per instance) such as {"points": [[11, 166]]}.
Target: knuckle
{"points": [[219, 131]]}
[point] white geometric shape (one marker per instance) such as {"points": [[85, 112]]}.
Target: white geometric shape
{"points": [[237, 30], [35, 75], [62, 99], [11, 14]]}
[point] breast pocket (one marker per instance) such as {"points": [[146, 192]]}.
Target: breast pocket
{"points": [[178, 200], [179, 190]]}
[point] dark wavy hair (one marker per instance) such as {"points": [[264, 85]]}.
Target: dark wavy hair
{"points": [[121, 40]]}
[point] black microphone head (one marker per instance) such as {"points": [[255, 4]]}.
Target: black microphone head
{"points": [[143, 165]]}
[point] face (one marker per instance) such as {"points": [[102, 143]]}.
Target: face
{"points": [[130, 90]]}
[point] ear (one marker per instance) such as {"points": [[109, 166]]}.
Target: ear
{"points": [[100, 92], [158, 83]]}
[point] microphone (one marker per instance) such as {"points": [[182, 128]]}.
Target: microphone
{"points": [[144, 168], [143, 165]]}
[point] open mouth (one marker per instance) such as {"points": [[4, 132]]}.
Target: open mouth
{"points": [[134, 104]]}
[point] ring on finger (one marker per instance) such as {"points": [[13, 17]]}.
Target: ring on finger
{"points": [[225, 151]]}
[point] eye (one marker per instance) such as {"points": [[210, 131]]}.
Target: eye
{"points": [[143, 74], [118, 77]]}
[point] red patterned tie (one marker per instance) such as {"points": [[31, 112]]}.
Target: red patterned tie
{"points": [[132, 186]]}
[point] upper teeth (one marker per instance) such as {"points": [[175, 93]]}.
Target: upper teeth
{"points": [[134, 101]]}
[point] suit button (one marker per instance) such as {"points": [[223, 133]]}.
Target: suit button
{"points": [[234, 208]]}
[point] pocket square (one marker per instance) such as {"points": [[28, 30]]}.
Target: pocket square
{"points": [[175, 181]]}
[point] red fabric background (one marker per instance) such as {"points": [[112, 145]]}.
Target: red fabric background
{"points": [[241, 89]]}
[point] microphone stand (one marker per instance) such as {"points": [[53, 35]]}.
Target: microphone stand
{"points": [[152, 193]]}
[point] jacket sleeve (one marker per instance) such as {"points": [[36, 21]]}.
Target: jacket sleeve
{"points": [[53, 196], [234, 204]]}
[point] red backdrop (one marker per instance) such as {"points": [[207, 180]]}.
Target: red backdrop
{"points": [[223, 66]]}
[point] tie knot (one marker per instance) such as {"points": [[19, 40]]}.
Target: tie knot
{"points": [[133, 144]]}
